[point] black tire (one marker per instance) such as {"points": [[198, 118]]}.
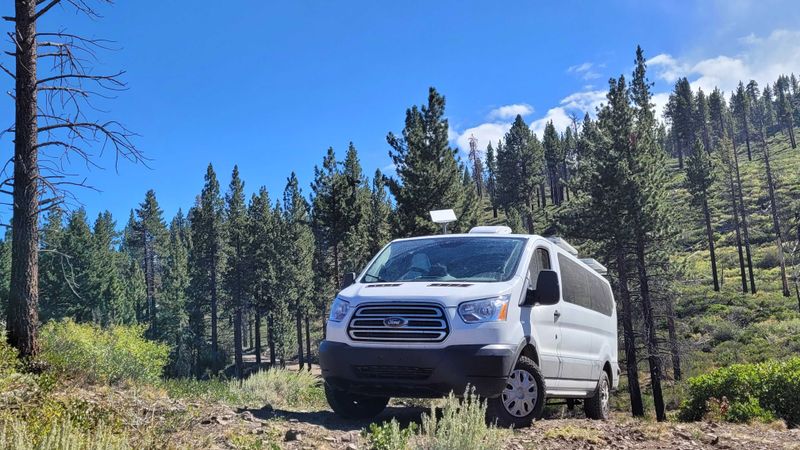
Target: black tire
{"points": [[354, 406], [496, 411], [597, 407]]}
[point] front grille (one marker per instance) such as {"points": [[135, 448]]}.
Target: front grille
{"points": [[413, 322], [393, 372]]}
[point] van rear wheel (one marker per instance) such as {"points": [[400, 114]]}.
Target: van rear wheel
{"points": [[354, 406], [522, 401], [597, 406]]}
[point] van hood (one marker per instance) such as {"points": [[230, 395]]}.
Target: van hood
{"points": [[450, 294]]}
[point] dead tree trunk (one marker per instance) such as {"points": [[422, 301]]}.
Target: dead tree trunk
{"points": [[745, 227], [237, 340], [23, 302], [214, 301]]}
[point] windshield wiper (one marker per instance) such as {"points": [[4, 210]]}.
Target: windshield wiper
{"points": [[375, 278]]}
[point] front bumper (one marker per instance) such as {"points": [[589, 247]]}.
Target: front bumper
{"points": [[412, 372]]}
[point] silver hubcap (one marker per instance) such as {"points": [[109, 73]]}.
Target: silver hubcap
{"points": [[604, 396], [521, 393]]}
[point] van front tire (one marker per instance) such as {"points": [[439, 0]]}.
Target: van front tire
{"points": [[523, 399], [597, 407], [353, 406]]}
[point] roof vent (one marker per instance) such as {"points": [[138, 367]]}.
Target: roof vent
{"points": [[564, 245], [594, 265], [490, 230]]}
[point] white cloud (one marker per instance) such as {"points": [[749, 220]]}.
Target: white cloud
{"points": [[510, 111], [484, 133], [667, 67], [586, 70], [761, 58]]}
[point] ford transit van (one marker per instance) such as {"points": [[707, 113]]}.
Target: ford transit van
{"points": [[518, 318]]}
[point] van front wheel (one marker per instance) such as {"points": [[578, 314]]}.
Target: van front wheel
{"points": [[354, 406], [523, 398]]}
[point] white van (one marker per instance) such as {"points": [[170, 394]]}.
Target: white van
{"points": [[517, 317]]}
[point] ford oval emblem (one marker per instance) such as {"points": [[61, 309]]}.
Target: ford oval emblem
{"points": [[395, 322]]}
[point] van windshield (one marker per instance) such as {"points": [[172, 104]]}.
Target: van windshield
{"points": [[484, 259]]}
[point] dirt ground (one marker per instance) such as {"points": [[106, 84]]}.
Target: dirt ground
{"points": [[323, 430]]}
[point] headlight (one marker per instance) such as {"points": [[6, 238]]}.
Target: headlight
{"points": [[485, 310], [339, 310]]}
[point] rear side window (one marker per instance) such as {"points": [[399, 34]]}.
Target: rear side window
{"points": [[582, 288]]}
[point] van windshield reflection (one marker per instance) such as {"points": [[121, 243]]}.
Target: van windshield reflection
{"points": [[447, 259]]}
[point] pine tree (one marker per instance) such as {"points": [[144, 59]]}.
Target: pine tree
{"points": [[681, 111], [262, 260], [785, 106], [472, 205], [741, 112], [54, 291], [701, 121], [279, 320], [106, 281], [649, 210], [520, 164], [699, 180], [428, 176], [491, 178], [378, 215], [296, 274], [5, 271], [174, 318], [551, 143], [206, 261], [77, 247], [236, 275], [151, 232]]}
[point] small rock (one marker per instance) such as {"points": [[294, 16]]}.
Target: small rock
{"points": [[248, 416], [351, 447], [347, 437], [293, 420], [330, 438], [293, 435], [714, 440]]}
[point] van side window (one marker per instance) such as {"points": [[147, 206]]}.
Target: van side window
{"points": [[582, 288], [540, 261]]}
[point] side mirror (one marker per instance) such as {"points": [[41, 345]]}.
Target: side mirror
{"points": [[348, 279], [547, 292]]}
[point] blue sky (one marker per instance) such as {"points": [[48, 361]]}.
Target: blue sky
{"points": [[270, 86]]}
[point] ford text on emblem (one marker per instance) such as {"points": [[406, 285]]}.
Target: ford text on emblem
{"points": [[394, 322]]}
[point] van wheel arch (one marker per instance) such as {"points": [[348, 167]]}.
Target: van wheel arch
{"points": [[609, 372], [529, 351]]}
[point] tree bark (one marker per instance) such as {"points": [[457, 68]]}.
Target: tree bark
{"points": [[745, 226], [308, 344], [271, 339], [710, 237], [237, 341], [257, 337], [629, 336], [776, 224], [674, 345], [736, 225], [299, 326], [214, 336], [23, 303], [650, 330]]}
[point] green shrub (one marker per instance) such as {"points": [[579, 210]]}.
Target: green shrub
{"points": [[388, 436], [64, 434], [752, 391], [279, 389], [102, 355], [462, 426], [8, 358]]}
